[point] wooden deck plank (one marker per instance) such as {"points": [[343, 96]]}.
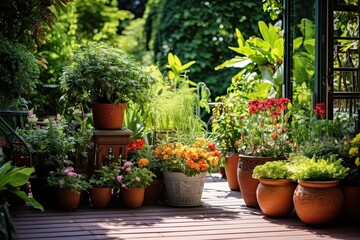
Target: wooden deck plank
{"points": [[223, 215]]}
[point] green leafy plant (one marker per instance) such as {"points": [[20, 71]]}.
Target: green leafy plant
{"points": [[101, 73], [265, 129], [135, 177], [104, 177], [50, 143], [273, 170], [19, 73], [11, 178], [200, 156], [318, 169], [67, 179]]}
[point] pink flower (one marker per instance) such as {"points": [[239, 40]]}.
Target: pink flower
{"points": [[123, 185], [127, 164], [68, 169], [71, 174], [137, 179], [128, 169], [119, 178]]}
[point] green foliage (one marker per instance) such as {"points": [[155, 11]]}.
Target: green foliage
{"points": [[273, 7], [67, 179], [19, 72], [273, 170], [104, 177], [49, 144], [320, 169], [27, 22], [101, 73], [198, 30]]}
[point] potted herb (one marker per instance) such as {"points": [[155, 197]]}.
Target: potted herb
{"points": [[318, 178], [276, 188], [69, 186], [133, 181], [104, 77], [102, 181]]}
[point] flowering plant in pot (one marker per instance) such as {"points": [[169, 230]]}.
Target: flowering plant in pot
{"points": [[102, 74], [69, 185], [184, 167], [133, 180], [264, 137]]}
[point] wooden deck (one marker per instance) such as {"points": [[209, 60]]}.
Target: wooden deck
{"points": [[223, 215]]}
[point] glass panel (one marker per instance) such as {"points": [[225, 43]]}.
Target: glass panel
{"points": [[347, 2], [349, 106], [346, 24], [346, 57], [346, 81]]}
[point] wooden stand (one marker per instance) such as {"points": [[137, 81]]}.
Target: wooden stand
{"points": [[107, 142]]}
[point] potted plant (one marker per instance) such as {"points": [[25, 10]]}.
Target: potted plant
{"points": [[226, 131], [318, 198], [141, 155], [69, 186], [276, 188], [102, 181], [264, 137], [104, 77], [184, 168], [133, 181]]}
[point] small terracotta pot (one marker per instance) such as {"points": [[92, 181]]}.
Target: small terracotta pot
{"points": [[231, 167], [318, 202], [153, 192], [132, 197], [108, 116], [100, 197], [275, 196], [68, 200]]}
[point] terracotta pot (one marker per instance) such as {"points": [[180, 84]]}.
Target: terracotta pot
{"points": [[275, 196], [108, 116], [68, 200], [132, 197], [222, 172], [100, 197], [153, 192], [318, 202], [247, 183], [231, 167], [351, 207]]}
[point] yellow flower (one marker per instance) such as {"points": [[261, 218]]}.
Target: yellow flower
{"points": [[353, 151], [357, 161], [356, 139]]}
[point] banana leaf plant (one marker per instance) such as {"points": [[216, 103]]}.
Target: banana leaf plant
{"points": [[11, 178]]}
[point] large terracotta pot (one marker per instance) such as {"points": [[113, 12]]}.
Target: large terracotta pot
{"points": [[108, 116], [231, 167], [132, 197], [247, 183], [184, 191], [153, 192], [68, 200], [318, 202], [100, 197], [275, 196], [351, 207]]}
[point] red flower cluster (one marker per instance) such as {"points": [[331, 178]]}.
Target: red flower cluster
{"points": [[138, 144], [319, 110], [275, 105]]}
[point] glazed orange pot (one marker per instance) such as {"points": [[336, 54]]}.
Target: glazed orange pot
{"points": [[318, 202], [231, 167], [275, 196]]}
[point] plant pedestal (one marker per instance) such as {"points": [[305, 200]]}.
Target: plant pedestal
{"points": [[108, 142]]}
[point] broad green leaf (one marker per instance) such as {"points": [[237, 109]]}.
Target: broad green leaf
{"points": [[25, 197], [297, 43], [264, 30], [19, 177], [235, 62], [267, 73], [240, 38]]}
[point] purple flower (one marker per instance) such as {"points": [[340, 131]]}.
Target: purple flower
{"points": [[127, 164], [119, 177], [137, 179]]}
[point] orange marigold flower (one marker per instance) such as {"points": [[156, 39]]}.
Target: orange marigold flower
{"points": [[143, 162]]}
